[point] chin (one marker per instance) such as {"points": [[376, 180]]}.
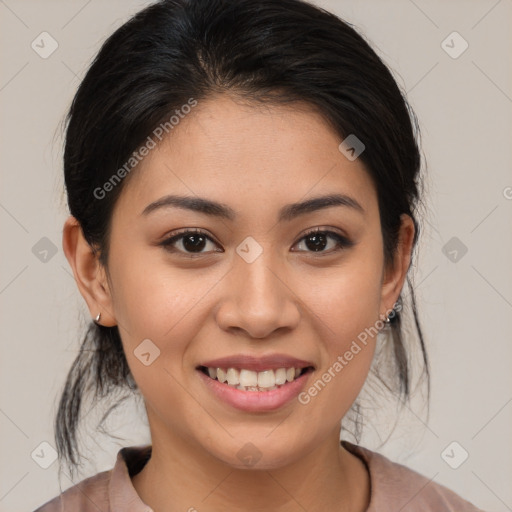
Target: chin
{"points": [[259, 452]]}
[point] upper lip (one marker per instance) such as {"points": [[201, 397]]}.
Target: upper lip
{"points": [[257, 364]]}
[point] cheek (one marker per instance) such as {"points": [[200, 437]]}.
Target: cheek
{"points": [[346, 309], [153, 300], [346, 300], [148, 296]]}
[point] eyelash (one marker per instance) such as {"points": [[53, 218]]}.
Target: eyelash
{"points": [[342, 242]]}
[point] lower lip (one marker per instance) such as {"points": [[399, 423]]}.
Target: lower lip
{"points": [[255, 401]]}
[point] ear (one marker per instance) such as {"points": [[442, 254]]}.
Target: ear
{"points": [[90, 275], [395, 273]]}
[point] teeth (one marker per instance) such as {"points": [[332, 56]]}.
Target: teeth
{"points": [[266, 379], [281, 376], [221, 375], [249, 380], [233, 376]]}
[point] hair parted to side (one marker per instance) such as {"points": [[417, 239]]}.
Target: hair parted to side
{"points": [[270, 51]]}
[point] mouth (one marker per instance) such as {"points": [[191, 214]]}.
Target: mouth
{"points": [[245, 379], [253, 384]]}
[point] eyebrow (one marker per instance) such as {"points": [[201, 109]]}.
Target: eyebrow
{"points": [[286, 213]]}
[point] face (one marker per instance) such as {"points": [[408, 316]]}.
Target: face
{"points": [[255, 286]]}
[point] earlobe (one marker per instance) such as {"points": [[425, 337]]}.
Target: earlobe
{"points": [[396, 273], [90, 275]]}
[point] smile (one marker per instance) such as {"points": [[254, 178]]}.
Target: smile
{"points": [[252, 391], [249, 380]]}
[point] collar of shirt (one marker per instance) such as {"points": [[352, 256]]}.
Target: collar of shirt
{"points": [[130, 460]]}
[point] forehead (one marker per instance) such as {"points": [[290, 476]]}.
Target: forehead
{"points": [[245, 155]]}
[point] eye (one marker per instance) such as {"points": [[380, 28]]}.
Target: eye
{"points": [[317, 240], [193, 242], [189, 241]]}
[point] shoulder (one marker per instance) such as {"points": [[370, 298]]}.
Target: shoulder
{"points": [[108, 490], [396, 487], [89, 495]]}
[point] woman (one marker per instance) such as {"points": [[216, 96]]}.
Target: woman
{"points": [[242, 179]]}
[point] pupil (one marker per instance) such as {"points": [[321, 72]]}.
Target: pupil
{"points": [[197, 243], [319, 242]]}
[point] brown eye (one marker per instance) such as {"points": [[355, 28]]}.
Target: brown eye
{"points": [[319, 240], [194, 242], [189, 242]]}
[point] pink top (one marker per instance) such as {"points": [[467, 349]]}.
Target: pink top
{"points": [[394, 487]]}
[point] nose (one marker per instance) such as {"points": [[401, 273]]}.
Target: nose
{"points": [[257, 299]]}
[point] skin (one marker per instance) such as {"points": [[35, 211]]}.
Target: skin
{"points": [[290, 300]]}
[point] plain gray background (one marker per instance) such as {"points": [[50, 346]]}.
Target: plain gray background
{"points": [[464, 104]]}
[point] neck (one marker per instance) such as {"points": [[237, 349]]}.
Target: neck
{"points": [[180, 476]]}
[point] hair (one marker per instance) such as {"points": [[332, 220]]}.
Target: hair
{"points": [[267, 51]]}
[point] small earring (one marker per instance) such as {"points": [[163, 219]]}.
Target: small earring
{"points": [[97, 319], [396, 308]]}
